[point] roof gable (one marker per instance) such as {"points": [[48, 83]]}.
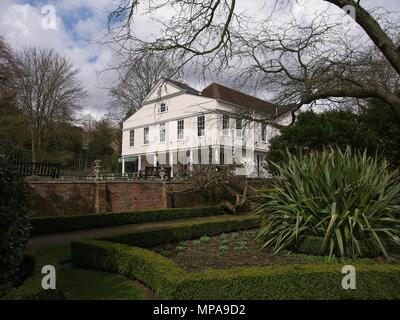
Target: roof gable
{"points": [[166, 87]]}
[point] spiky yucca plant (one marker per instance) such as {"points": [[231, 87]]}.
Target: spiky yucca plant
{"points": [[344, 197]]}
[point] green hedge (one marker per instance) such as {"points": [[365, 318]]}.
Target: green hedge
{"points": [[323, 281], [32, 289], [44, 225], [314, 245], [185, 231]]}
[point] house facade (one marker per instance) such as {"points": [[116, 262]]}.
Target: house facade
{"points": [[178, 127]]}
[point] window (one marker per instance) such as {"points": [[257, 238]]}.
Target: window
{"points": [[146, 135], [225, 124], [222, 155], [200, 126], [131, 138], [162, 107], [181, 128], [263, 132], [239, 127], [162, 132]]}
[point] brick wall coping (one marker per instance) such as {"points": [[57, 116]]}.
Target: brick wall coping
{"points": [[103, 182]]}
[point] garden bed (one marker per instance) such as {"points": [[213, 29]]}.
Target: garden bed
{"points": [[238, 249], [280, 277], [227, 250]]}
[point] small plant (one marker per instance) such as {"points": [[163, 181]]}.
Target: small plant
{"points": [[196, 242], [223, 248], [184, 243], [180, 248], [225, 242], [205, 239]]}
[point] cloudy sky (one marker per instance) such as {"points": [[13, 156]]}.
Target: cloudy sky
{"points": [[80, 24]]}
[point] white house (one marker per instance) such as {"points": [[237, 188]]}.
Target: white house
{"points": [[178, 126]]}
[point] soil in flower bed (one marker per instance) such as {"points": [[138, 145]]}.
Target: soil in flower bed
{"points": [[227, 250]]}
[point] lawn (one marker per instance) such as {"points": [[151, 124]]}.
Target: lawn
{"points": [[86, 284]]}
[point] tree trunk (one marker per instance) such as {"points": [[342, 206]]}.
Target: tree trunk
{"points": [[33, 147], [374, 31]]}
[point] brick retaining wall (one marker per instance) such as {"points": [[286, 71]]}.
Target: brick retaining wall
{"points": [[82, 197]]}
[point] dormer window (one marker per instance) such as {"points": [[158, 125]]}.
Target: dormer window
{"points": [[162, 107]]}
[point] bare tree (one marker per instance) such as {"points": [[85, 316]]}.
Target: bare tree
{"points": [[204, 177], [48, 91], [136, 81], [8, 69], [306, 63]]}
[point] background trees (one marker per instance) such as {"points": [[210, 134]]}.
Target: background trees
{"points": [[40, 94], [374, 128], [48, 92]]}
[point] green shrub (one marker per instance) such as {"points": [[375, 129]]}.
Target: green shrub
{"points": [[43, 225], [185, 231], [32, 289], [376, 129], [14, 224], [346, 198], [374, 281]]}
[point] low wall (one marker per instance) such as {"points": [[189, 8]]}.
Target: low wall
{"points": [[50, 198], [65, 198]]}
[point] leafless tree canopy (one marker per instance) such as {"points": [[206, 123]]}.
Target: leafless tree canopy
{"points": [[7, 73], [302, 62], [136, 81], [48, 91]]}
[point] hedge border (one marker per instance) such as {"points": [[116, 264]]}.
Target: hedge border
{"points": [[169, 281], [184, 231], [46, 225], [32, 289]]}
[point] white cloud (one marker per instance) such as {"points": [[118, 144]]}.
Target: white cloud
{"points": [[21, 25]]}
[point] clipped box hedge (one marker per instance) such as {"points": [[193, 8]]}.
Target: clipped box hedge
{"points": [[185, 231], [45, 225], [123, 255], [32, 289], [314, 245], [322, 281]]}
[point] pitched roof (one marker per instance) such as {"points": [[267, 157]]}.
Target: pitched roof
{"points": [[183, 86], [218, 91]]}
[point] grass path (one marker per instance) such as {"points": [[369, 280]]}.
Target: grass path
{"points": [[87, 284], [65, 238]]}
